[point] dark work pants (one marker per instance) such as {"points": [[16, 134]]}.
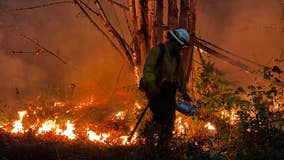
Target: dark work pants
{"points": [[163, 114]]}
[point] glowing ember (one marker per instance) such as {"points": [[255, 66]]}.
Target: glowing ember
{"points": [[209, 126], [69, 131], [137, 105], [59, 104], [125, 139], [18, 126], [180, 129], [120, 115], [137, 75], [232, 115]]}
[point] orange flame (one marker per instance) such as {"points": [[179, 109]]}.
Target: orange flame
{"points": [[210, 126], [69, 131], [18, 126]]}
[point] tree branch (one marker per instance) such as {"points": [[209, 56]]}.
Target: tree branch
{"points": [[44, 49], [97, 26], [42, 5], [119, 5], [127, 49]]}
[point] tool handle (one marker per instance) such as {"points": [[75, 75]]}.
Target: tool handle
{"points": [[138, 122]]}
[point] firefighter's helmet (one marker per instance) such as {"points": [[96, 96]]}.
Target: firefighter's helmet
{"points": [[180, 35]]}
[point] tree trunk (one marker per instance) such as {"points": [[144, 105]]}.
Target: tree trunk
{"points": [[151, 22], [184, 13], [141, 26], [159, 22], [191, 28], [172, 14], [132, 16]]}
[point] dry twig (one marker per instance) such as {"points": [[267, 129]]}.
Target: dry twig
{"points": [[42, 5]]}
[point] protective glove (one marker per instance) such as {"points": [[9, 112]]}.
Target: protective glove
{"points": [[186, 97]]}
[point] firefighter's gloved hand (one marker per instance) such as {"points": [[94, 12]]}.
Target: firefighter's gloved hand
{"points": [[186, 97]]}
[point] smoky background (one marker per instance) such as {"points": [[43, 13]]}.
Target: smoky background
{"points": [[252, 29]]}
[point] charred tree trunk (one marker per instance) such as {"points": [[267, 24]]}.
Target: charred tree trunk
{"points": [[152, 6], [172, 14], [191, 28], [132, 16], [184, 13], [159, 22], [141, 27]]}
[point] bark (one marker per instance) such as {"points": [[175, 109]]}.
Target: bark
{"points": [[133, 19], [159, 22], [141, 27], [191, 28], [172, 14], [184, 13], [151, 22]]}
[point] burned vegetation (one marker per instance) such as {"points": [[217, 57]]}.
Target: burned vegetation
{"points": [[85, 119]]}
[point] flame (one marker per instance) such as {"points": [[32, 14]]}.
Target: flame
{"points": [[180, 129], [59, 104], [125, 139], [18, 126], [69, 131], [137, 105], [93, 136], [210, 126], [232, 115], [120, 115], [137, 74], [48, 126]]}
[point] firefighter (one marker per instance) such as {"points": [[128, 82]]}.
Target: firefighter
{"points": [[163, 75]]}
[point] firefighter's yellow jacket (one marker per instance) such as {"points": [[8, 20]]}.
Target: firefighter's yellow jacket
{"points": [[166, 69]]}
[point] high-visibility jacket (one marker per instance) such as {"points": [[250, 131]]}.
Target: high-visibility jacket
{"points": [[163, 67]]}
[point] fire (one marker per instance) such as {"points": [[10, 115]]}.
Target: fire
{"points": [[59, 104], [120, 115], [232, 115], [180, 128], [210, 126], [69, 132], [137, 75], [93, 136], [137, 105], [18, 126], [125, 139], [48, 126]]}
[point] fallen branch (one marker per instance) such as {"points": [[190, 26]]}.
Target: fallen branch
{"points": [[230, 53], [42, 5], [223, 57]]}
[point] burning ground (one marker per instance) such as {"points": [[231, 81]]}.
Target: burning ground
{"points": [[89, 129]]}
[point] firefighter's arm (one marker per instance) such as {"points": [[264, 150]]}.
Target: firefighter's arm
{"points": [[149, 72]]}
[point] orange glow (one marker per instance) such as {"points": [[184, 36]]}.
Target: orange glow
{"points": [[18, 126], [93, 136], [69, 132], [48, 126], [210, 126], [120, 115]]}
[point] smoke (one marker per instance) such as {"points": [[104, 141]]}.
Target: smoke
{"points": [[91, 60], [251, 29]]}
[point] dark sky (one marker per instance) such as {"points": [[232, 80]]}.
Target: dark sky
{"points": [[250, 28]]}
